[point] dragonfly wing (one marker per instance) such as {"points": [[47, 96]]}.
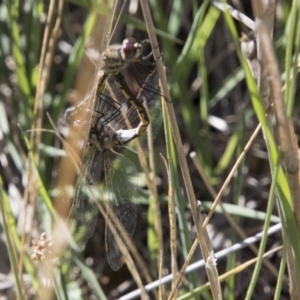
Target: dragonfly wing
{"points": [[121, 208], [83, 216], [151, 94]]}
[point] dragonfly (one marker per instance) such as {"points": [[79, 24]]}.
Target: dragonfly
{"points": [[117, 118]]}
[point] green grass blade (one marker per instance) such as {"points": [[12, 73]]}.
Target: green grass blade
{"points": [[263, 242]]}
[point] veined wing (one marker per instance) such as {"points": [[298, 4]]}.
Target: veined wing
{"points": [[121, 208], [84, 212], [120, 172]]}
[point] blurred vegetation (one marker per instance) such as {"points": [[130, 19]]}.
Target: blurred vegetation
{"points": [[217, 107]]}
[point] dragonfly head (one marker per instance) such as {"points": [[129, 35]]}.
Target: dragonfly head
{"points": [[131, 49]]}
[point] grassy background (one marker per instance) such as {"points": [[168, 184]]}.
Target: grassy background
{"points": [[217, 107]]}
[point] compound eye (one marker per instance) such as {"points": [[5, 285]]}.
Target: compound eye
{"points": [[130, 48]]}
